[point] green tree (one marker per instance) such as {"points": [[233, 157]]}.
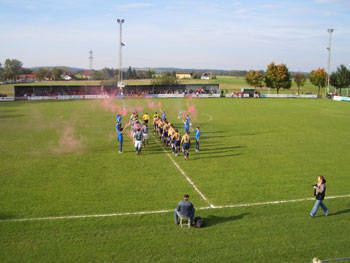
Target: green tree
{"points": [[196, 75], [134, 74], [341, 78], [98, 75], [166, 78], [254, 78], [13, 68], [149, 74], [129, 73], [43, 73], [299, 81], [109, 73], [277, 77], [318, 78], [1, 72], [57, 72]]}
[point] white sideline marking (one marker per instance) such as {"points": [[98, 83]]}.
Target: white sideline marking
{"points": [[274, 202], [166, 211], [86, 216], [184, 174], [335, 259]]}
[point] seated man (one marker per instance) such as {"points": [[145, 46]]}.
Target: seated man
{"points": [[185, 209]]}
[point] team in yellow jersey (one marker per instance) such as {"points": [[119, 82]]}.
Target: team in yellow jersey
{"points": [[171, 136], [166, 131]]}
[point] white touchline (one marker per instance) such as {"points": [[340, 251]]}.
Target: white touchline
{"points": [[184, 174], [164, 211]]}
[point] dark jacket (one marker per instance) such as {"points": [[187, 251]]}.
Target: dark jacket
{"points": [[320, 191], [185, 208]]}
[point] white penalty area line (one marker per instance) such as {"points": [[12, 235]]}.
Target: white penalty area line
{"points": [[183, 173], [165, 211]]}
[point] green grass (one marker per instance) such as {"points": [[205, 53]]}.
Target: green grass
{"points": [[60, 158]]}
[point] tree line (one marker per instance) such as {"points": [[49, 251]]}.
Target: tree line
{"points": [[278, 77], [12, 69]]}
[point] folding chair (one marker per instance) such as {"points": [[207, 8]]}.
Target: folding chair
{"points": [[184, 219]]}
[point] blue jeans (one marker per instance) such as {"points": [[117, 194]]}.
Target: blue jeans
{"points": [[318, 203], [121, 146], [176, 217]]}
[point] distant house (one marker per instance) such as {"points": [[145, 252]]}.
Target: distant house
{"points": [[183, 75], [205, 76], [67, 77], [27, 77], [87, 75]]}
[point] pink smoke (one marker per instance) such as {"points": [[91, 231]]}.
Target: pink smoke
{"points": [[151, 105], [192, 110], [159, 105], [140, 109], [124, 112], [68, 143]]}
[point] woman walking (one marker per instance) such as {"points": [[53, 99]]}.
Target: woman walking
{"points": [[319, 192]]}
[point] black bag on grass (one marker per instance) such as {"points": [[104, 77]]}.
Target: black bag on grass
{"points": [[198, 222]]}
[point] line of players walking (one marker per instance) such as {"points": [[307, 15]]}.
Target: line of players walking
{"points": [[166, 132]]}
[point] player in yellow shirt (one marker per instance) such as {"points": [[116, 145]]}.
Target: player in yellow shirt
{"points": [[155, 123], [145, 118], [165, 133], [186, 143], [177, 138], [160, 128]]}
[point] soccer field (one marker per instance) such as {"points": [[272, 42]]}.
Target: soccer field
{"points": [[60, 159]]}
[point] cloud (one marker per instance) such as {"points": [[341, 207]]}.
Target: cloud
{"points": [[240, 11], [133, 5]]}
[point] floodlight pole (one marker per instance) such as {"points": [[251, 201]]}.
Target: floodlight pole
{"points": [[120, 81], [329, 48]]}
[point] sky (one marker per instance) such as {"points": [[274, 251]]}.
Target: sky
{"points": [[216, 34]]}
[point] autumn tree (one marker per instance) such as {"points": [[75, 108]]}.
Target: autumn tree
{"points": [[341, 78], [318, 78], [299, 81], [277, 77], [254, 78]]}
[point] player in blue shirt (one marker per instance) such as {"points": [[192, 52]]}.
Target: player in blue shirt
{"points": [[118, 124], [164, 116], [120, 140], [187, 123], [198, 135]]}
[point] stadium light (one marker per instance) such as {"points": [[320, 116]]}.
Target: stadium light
{"points": [[329, 48], [121, 44]]}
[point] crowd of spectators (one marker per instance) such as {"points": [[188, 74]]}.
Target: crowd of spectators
{"points": [[111, 91]]}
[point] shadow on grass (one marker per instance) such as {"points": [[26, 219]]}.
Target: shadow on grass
{"points": [[340, 212], [204, 138], [214, 220], [215, 132], [4, 216], [220, 149], [214, 156], [253, 133], [11, 116]]}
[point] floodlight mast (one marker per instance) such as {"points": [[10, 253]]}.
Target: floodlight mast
{"points": [[120, 81], [329, 48]]}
